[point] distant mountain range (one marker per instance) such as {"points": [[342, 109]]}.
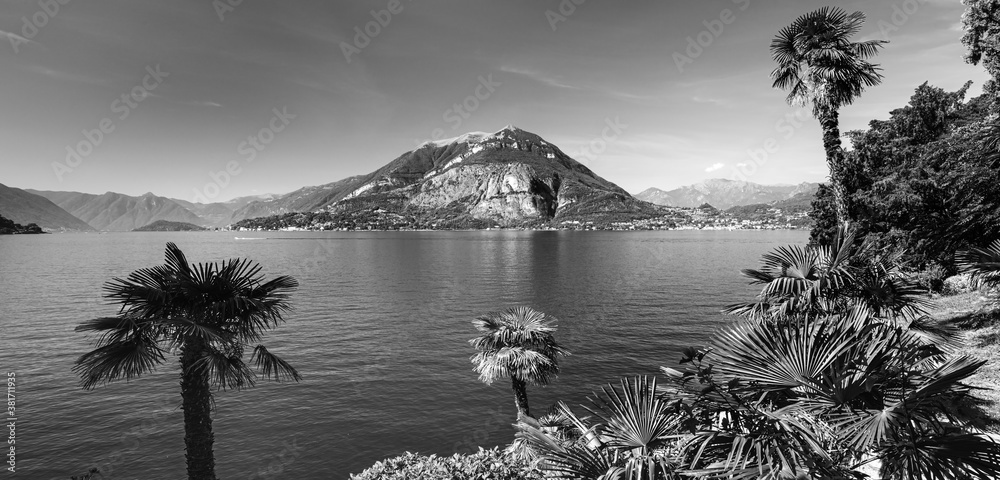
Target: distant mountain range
{"points": [[724, 194], [24, 207], [118, 212], [510, 177]]}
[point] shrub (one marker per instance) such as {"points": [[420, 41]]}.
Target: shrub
{"points": [[491, 464], [932, 278]]}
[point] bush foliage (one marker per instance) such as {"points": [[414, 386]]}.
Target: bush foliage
{"points": [[493, 464]]}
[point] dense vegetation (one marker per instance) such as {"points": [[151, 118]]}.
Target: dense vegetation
{"points": [[8, 227], [927, 180], [493, 464]]}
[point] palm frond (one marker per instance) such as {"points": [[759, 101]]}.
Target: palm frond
{"points": [[946, 455], [271, 366], [224, 367], [817, 61], [982, 263], [118, 358]]}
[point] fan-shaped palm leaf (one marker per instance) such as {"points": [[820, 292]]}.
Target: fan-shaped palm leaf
{"points": [[632, 439], [982, 263]]}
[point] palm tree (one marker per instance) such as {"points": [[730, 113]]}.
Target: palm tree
{"points": [[982, 263], [210, 314], [830, 279], [819, 65], [516, 343], [634, 436]]}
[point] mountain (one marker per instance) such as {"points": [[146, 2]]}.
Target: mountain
{"points": [[25, 207], [306, 199], [220, 214], [511, 177], [724, 194], [120, 213], [167, 226]]}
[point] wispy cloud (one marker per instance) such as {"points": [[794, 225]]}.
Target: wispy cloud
{"points": [[538, 77], [715, 166], [65, 76], [713, 101], [632, 97]]}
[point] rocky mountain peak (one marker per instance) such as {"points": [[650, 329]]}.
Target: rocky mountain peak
{"points": [[725, 193]]}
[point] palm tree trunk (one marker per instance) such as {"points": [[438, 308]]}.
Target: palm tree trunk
{"points": [[520, 396], [197, 401], [829, 120]]}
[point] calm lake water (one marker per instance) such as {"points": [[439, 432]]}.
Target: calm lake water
{"points": [[380, 332]]}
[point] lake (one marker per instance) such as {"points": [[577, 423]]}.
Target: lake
{"points": [[379, 331]]}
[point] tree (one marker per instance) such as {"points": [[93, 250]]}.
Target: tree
{"points": [[983, 264], [981, 23], [823, 216], [819, 65], [516, 344], [210, 314], [927, 179], [832, 279]]}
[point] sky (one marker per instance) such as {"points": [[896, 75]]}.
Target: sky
{"points": [[207, 100]]}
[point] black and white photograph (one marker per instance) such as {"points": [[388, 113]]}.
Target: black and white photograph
{"points": [[500, 239]]}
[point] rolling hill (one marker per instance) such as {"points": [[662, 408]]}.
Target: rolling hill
{"points": [[24, 207], [118, 212]]}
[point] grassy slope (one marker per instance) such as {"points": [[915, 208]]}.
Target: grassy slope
{"points": [[982, 340]]}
